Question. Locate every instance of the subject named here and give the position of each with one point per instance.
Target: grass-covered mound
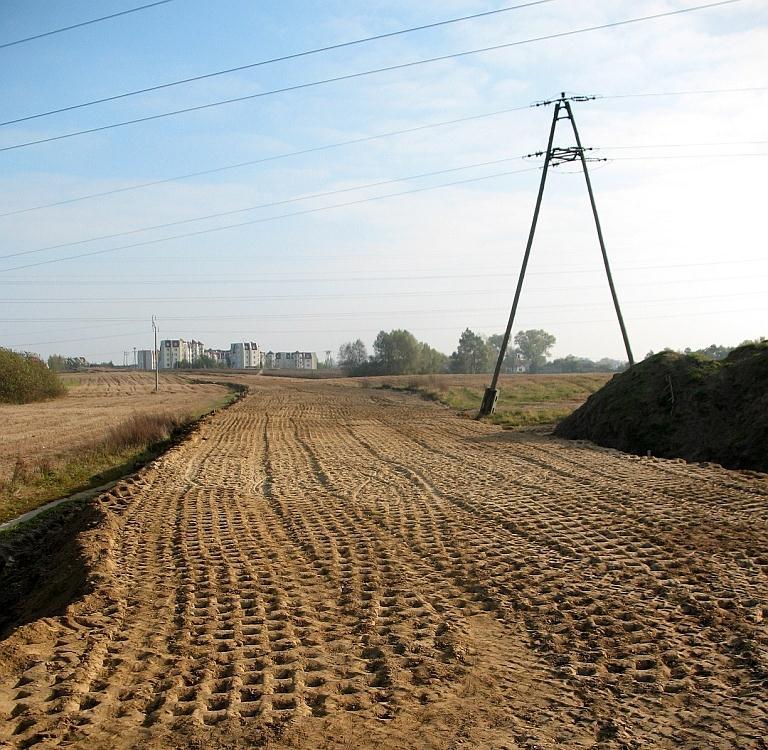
(686, 406)
(24, 378)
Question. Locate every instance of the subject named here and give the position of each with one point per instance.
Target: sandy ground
(329, 567)
(95, 402)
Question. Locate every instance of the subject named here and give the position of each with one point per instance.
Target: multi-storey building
(291, 360)
(172, 353)
(245, 354)
(146, 358)
(195, 350)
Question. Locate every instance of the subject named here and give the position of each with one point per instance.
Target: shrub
(24, 378)
(139, 431)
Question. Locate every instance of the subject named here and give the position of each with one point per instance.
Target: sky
(681, 189)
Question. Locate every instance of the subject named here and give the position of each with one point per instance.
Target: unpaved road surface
(321, 566)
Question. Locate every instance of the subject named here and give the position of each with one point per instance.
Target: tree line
(398, 352)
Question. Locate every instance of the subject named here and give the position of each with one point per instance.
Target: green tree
(397, 353)
(352, 356)
(431, 360)
(473, 354)
(534, 346)
(512, 356)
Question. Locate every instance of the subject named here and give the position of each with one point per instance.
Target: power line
(312, 196)
(690, 92)
(334, 315)
(272, 204)
(208, 278)
(72, 341)
(678, 145)
(338, 144)
(360, 295)
(83, 23)
(488, 325)
(273, 60)
(301, 152)
(361, 74)
(346, 279)
(682, 156)
(263, 220)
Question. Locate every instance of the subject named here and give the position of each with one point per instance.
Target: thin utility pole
(157, 356)
(491, 393)
(553, 157)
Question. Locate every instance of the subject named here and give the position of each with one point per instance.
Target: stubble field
(326, 566)
(95, 401)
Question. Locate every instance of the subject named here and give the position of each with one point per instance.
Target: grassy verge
(125, 448)
(524, 400)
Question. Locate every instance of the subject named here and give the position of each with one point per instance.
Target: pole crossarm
(564, 98)
(553, 156)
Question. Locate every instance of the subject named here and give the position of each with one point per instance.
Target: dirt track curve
(330, 567)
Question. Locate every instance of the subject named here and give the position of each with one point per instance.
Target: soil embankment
(683, 406)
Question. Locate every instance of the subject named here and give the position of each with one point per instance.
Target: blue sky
(685, 234)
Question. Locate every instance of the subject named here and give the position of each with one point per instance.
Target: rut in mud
(322, 566)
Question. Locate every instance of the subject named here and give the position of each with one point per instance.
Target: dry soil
(325, 567)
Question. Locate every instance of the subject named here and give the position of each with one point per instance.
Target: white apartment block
(291, 360)
(245, 354)
(172, 352)
(145, 359)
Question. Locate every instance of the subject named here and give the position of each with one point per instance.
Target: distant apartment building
(172, 352)
(245, 355)
(291, 360)
(219, 356)
(145, 359)
(175, 351)
(195, 350)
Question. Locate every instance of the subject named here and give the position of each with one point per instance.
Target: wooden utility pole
(553, 157)
(157, 356)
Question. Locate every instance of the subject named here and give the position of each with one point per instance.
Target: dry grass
(95, 403)
(523, 399)
(141, 430)
(33, 482)
(106, 425)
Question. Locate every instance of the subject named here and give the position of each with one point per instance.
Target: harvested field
(95, 402)
(331, 567)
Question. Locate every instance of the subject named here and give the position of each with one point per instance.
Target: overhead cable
(265, 219)
(83, 23)
(264, 159)
(332, 296)
(329, 193)
(361, 74)
(282, 58)
(272, 204)
(338, 144)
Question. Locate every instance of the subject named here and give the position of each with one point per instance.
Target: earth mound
(684, 406)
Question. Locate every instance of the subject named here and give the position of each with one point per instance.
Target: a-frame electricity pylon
(553, 157)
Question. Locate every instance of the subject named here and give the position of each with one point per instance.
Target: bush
(139, 431)
(24, 378)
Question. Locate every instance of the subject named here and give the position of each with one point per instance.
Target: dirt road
(322, 566)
